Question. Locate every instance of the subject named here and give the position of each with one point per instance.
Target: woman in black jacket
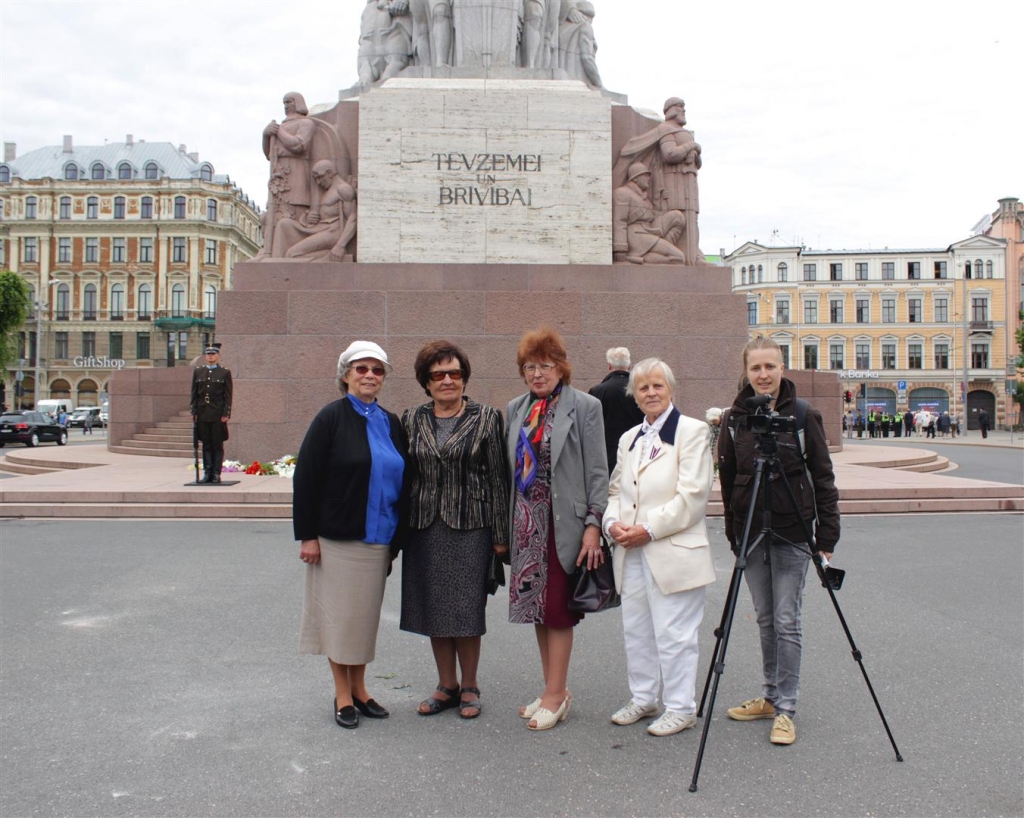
(349, 489)
(776, 571)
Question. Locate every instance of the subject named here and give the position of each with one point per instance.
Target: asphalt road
(150, 669)
(977, 462)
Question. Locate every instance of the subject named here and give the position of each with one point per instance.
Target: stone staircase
(170, 438)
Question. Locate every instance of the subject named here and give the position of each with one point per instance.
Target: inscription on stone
(485, 165)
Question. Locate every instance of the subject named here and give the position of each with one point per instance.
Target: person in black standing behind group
(211, 411)
(620, 410)
(350, 489)
(458, 517)
(983, 423)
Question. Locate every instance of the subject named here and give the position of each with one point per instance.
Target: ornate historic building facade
(125, 248)
(923, 328)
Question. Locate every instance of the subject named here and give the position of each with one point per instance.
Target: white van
(54, 406)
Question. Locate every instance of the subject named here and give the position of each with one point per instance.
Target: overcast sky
(854, 125)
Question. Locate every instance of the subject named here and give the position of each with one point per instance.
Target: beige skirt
(342, 600)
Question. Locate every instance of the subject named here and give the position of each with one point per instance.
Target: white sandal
(528, 711)
(545, 719)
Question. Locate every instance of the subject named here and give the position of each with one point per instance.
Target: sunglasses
(362, 369)
(441, 374)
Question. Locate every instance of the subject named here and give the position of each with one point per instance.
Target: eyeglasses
(440, 374)
(362, 369)
(529, 369)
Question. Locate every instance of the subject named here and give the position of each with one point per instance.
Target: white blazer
(668, 490)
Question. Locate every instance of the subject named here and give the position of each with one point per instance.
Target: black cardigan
(330, 487)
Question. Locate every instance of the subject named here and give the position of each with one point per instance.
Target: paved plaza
(150, 668)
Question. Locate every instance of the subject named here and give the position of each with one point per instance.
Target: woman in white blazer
(655, 516)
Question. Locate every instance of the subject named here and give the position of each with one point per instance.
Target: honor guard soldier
(211, 410)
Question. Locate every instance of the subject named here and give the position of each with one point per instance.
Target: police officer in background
(211, 410)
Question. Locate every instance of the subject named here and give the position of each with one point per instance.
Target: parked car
(79, 415)
(31, 428)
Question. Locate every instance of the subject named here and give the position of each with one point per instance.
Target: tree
(14, 309)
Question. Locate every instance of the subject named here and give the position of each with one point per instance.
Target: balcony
(981, 326)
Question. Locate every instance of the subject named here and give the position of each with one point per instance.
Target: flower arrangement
(282, 467)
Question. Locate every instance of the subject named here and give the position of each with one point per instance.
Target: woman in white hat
(349, 482)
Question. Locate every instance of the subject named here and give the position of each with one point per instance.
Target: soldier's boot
(207, 467)
(218, 463)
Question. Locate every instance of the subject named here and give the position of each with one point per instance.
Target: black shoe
(370, 709)
(346, 717)
(207, 478)
(215, 478)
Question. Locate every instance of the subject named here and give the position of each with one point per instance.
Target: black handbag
(495, 574)
(594, 591)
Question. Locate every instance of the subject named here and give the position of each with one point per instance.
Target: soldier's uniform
(211, 403)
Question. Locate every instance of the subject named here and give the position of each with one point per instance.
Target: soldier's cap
(358, 350)
(672, 102)
(213, 349)
(636, 169)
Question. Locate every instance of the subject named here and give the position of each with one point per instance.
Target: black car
(30, 428)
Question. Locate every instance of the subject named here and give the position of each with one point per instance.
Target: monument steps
(10, 466)
(107, 510)
(168, 438)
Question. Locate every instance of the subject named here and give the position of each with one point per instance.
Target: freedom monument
(476, 181)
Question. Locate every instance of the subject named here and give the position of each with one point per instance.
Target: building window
(144, 308)
(888, 356)
(177, 342)
(146, 209)
(142, 346)
(988, 269)
(914, 270)
(784, 348)
(979, 356)
(89, 303)
(915, 356)
(977, 268)
(941, 310)
(760, 274)
(810, 356)
(940, 269)
(888, 270)
(92, 208)
(119, 207)
(781, 312)
(63, 304)
(810, 272)
(119, 251)
(914, 310)
(863, 311)
(979, 309)
(30, 207)
(5, 178)
(888, 310)
(783, 272)
(860, 271)
(124, 171)
(30, 249)
(98, 172)
(751, 313)
(743, 276)
(835, 312)
(211, 251)
(64, 250)
(179, 207)
(210, 301)
(146, 251)
(71, 174)
(941, 355)
(206, 173)
(92, 251)
(60, 345)
(178, 301)
(810, 312)
(179, 250)
(65, 207)
(863, 356)
(116, 345)
(835, 272)
(211, 210)
(835, 356)
(117, 302)
(31, 305)
(967, 269)
(152, 172)
(88, 344)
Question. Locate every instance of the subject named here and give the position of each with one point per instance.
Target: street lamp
(967, 350)
(40, 306)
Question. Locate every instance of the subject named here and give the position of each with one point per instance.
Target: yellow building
(903, 328)
(125, 247)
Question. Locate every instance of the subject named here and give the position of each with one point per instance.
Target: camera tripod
(767, 465)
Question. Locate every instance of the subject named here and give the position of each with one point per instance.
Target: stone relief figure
(432, 32)
(577, 48)
(639, 233)
(487, 32)
(292, 147)
(673, 156)
(385, 40)
(540, 33)
(324, 234)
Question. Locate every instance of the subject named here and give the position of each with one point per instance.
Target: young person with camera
(776, 571)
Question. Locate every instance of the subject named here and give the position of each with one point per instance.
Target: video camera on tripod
(763, 421)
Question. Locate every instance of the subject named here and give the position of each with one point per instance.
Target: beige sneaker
(753, 709)
(672, 721)
(783, 731)
(633, 712)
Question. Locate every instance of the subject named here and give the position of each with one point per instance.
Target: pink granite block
(259, 401)
(315, 357)
(166, 381)
(588, 278)
(461, 277)
(124, 382)
(704, 358)
(238, 313)
(512, 313)
(292, 275)
(354, 313)
(435, 314)
(630, 313)
(711, 314)
(398, 277)
(263, 356)
(304, 398)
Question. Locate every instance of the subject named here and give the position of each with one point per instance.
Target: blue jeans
(777, 588)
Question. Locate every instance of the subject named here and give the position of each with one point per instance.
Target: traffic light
(848, 396)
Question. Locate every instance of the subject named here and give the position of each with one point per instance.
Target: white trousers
(660, 631)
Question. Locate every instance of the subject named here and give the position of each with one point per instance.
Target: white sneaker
(633, 712)
(672, 721)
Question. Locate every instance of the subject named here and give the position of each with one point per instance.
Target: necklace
(448, 412)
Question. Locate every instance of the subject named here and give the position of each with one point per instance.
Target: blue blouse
(386, 470)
